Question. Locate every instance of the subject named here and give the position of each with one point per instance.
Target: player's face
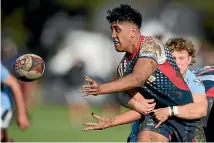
(122, 35)
(182, 59)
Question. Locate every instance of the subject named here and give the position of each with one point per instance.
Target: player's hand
(102, 123)
(92, 88)
(161, 114)
(22, 122)
(145, 106)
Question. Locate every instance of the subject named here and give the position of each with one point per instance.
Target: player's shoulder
(190, 75)
(152, 45)
(4, 69)
(193, 81)
(4, 73)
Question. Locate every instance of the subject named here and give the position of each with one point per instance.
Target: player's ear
(190, 60)
(134, 31)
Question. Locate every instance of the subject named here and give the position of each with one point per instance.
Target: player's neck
(134, 44)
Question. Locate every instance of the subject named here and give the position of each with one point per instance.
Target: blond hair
(181, 44)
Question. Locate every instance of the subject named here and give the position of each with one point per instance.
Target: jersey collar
(131, 56)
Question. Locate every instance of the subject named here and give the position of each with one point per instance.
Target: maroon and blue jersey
(166, 85)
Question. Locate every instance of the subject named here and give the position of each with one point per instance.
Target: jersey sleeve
(207, 70)
(152, 48)
(4, 73)
(195, 85)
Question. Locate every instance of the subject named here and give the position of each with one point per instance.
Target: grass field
(51, 124)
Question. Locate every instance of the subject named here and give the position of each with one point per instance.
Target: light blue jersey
(195, 86)
(6, 99)
(194, 83)
(5, 90)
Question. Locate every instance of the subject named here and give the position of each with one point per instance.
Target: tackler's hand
(92, 88)
(145, 106)
(161, 114)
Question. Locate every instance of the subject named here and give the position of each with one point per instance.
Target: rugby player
(10, 90)
(148, 69)
(183, 53)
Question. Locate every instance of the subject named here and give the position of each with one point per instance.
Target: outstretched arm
(103, 123)
(143, 69)
(148, 57)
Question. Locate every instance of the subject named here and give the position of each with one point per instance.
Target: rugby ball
(28, 67)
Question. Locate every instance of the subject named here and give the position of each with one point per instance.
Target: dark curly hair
(124, 13)
(180, 44)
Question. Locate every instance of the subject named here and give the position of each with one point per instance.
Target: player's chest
(125, 66)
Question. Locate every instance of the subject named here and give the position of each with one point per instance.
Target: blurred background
(74, 39)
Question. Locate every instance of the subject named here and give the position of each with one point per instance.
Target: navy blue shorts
(149, 123)
(175, 127)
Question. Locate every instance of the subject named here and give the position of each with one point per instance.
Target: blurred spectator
(56, 27)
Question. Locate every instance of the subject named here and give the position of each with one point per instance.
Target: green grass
(51, 124)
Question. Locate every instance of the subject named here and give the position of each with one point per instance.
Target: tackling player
(183, 52)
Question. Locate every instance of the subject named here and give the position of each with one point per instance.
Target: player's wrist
(99, 89)
(132, 104)
(21, 111)
(170, 111)
(103, 89)
(174, 110)
(137, 106)
(111, 123)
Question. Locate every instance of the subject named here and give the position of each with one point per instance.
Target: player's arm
(103, 123)
(22, 119)
(195, 110)
(127, 100)
(137, 102)
(18, 97)
(125, 118)
(198, 108)
(143, 69)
